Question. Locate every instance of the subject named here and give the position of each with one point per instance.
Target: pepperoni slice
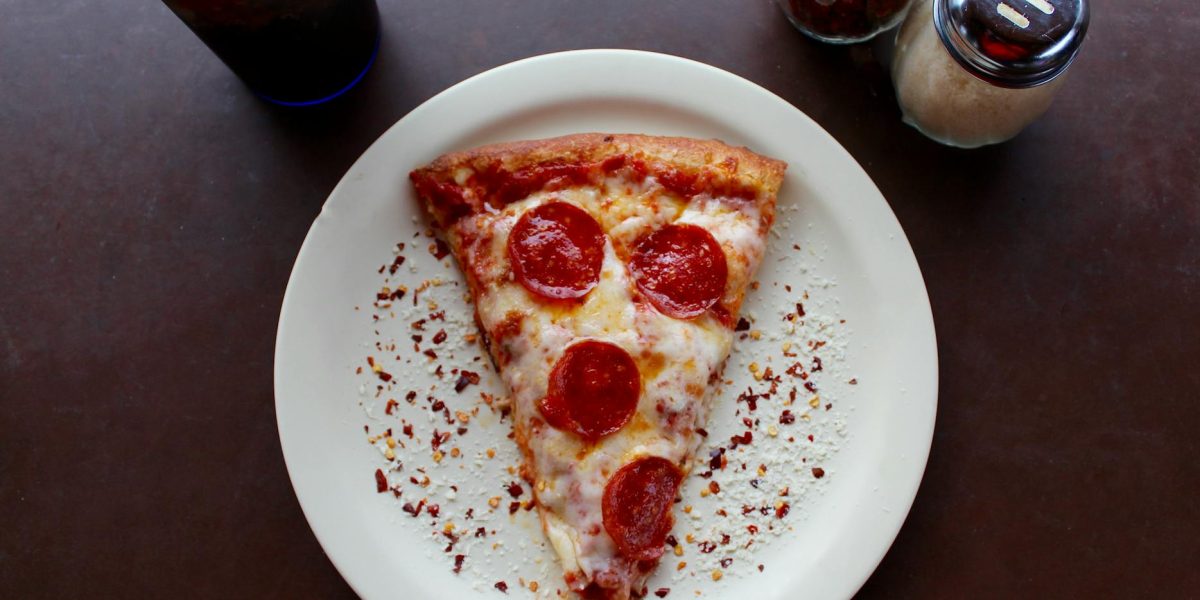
(556, 251)
(681, 269)
(594, 389)
(637, 506)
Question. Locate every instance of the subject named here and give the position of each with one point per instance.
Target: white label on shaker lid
(1042, 5)
(1012, 15)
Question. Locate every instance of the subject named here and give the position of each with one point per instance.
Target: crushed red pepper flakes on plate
(466, 378)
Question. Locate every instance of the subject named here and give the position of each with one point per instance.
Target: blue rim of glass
(349, 86)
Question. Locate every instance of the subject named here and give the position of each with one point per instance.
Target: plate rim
(912, 482)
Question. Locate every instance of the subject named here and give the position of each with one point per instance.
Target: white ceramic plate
(834, 208)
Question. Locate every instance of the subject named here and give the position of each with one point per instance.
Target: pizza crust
(724, 163)
(750, 168)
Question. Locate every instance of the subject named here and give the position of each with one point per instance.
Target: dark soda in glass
(291, 52)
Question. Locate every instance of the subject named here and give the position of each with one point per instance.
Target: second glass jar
(844, 21)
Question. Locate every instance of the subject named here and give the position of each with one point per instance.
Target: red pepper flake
(395, 266)
(433, 510)
(480, 532)
(753, 529)
(397, 294)
(413, 510)
(799, 310)
(385, 376)
(818, 472)
(750, 398)
(437, 405)
(439, 249)
(417, 338)
(786, 417)
(760, 568)
(431, 354)
(702, 431)
(716, 460)
(808, 385)
(514, 507)
(816, 366)
(742, 324)
(854, 381)
(466, 378)
(500, 585)
(410, 396)
(782, 510)
(714, 487)
(381, 484)
(514, 489)
(419, 324)
(724, 539)
(391, 404)
(743, 439)
(671, 541)
(438, 439)
(662, 592)
(440, 336)
(725, 562)
(706, 547)
(458, 562)
(408, 430)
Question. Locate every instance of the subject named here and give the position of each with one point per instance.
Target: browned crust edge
(751, 168)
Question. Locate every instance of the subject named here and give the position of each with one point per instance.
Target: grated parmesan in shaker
(974, 72)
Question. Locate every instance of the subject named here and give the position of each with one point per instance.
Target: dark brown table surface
(152, 208)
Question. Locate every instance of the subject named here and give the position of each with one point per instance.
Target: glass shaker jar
(975, 72)
(843, 21)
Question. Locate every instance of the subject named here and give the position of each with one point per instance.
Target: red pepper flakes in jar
(844, 21)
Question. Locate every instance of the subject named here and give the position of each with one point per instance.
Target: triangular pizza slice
(607, 273)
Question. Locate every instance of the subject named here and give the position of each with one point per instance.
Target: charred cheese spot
(651, 364)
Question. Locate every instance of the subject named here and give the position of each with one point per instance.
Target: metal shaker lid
(1012, 43)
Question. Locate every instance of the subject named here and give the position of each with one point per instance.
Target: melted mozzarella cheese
(676, 358)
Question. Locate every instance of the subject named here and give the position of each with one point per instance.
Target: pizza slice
(607, 273)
